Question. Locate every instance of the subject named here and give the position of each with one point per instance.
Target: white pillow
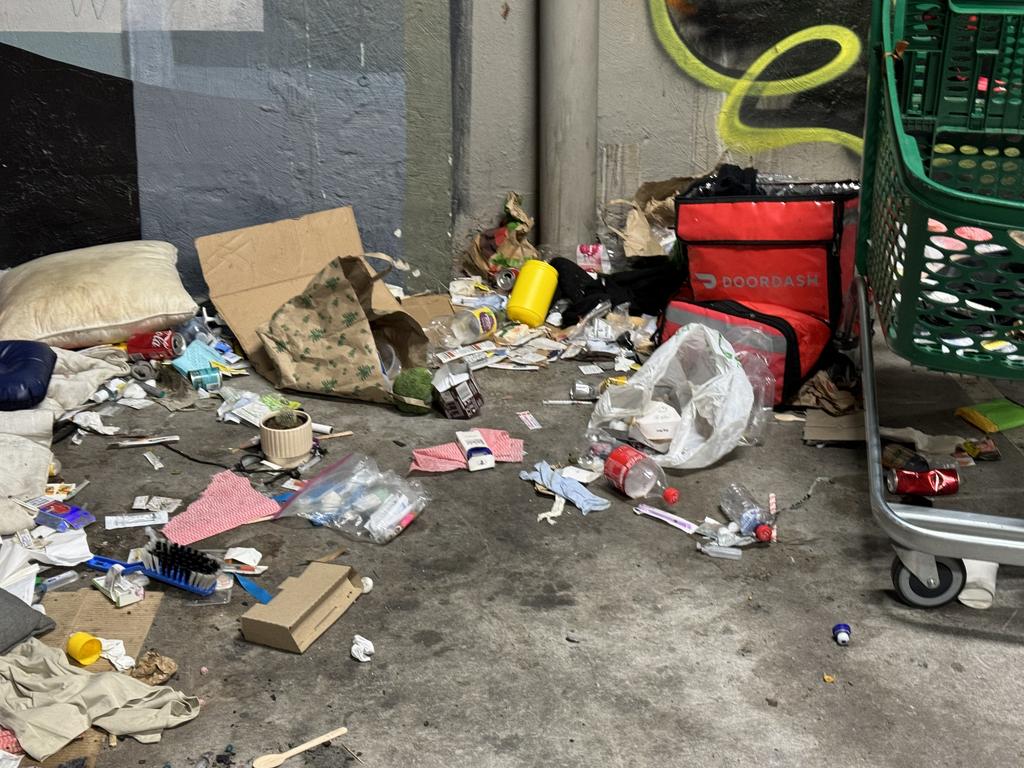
(94, 295)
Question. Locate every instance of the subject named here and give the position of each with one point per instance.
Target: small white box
(477, 452)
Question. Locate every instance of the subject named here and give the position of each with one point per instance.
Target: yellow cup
(531, 295)
(83, 648)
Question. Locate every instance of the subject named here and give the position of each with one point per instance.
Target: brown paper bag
(322, 340)
(503, 246)
(637, 238)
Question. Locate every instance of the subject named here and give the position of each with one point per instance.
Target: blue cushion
(25, 370)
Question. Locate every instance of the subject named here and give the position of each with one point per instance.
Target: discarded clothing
(19, 623)
(228, 502)
(449, 457)
(78, 374)
(48, 703)
(25, 445)
(9, 760)
(572, 490)
(25, 435)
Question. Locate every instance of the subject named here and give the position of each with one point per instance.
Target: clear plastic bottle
(635, 474)
(466, 326)
(740, 506)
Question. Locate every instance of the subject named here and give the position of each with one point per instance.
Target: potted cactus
(286, 437)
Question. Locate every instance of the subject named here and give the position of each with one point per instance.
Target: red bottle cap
(671, 495)
(763, 532)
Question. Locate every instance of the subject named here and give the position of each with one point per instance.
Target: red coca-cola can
(162, 345)
(934, 482)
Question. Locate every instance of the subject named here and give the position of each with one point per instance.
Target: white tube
(980, 587)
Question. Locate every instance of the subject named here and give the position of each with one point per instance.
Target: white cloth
(47, 702)
(25, 435)
(115, 652)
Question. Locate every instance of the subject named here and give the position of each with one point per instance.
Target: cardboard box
(252, 272)
(456, 391)
(304, 609)
(427, 306)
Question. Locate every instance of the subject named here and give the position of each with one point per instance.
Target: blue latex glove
(572, 490)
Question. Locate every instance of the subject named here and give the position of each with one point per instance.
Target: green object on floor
(994, 416)
(414, 383)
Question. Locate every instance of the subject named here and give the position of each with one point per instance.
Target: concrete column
(568, 50)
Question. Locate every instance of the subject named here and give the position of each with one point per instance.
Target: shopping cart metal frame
(930, 543)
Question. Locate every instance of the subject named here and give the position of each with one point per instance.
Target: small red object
(162, 345)
(934, 482)
(671, 495)
(763, 532)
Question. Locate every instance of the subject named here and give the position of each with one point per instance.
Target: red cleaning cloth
(9, 742)
(228, 502)
(448, 457)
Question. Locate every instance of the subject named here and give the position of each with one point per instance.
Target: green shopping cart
(941, 243)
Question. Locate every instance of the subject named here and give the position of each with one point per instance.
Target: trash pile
(686, 345)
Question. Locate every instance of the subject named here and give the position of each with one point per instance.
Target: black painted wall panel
(68, 166)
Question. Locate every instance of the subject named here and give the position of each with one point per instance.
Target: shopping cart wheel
(913, 592)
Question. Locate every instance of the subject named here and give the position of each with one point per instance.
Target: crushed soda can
(506, 279)
(162, 345)
(934, 482)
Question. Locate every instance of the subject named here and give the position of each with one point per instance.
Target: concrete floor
(679, 659)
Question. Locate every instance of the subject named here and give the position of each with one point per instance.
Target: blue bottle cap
(841, 628)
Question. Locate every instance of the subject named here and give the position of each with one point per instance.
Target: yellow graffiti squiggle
(733, 131)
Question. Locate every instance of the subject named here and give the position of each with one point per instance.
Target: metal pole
(568, 42)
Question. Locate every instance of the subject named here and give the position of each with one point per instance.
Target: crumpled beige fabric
(25, 435)
(47, 702)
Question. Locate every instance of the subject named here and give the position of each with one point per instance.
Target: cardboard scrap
(426, 307)
(253, 271)
(820, 427)
(305, 608)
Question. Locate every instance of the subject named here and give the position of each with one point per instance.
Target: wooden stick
(334, 435)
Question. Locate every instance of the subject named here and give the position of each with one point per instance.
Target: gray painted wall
(240, 123)
(654, 121)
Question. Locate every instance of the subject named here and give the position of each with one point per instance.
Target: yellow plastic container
(84, 648)
(531, 295)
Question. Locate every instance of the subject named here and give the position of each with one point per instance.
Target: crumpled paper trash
(362, 649)
(154, 668)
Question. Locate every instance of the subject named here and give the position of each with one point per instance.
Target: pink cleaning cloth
(228, 502)
(448, 457)
(9, 742)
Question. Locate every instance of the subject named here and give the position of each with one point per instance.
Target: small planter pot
(288, 447)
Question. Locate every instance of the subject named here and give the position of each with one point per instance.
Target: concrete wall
(495, 107)
(667, 71)
(253, 110)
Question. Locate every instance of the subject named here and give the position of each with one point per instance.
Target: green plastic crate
(946, 265)
(964, 64)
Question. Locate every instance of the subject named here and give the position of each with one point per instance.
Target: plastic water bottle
(740, 506)
(635, 474)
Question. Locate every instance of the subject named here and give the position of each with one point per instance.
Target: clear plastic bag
(360, 500)
(745, 341)
(695, 374)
